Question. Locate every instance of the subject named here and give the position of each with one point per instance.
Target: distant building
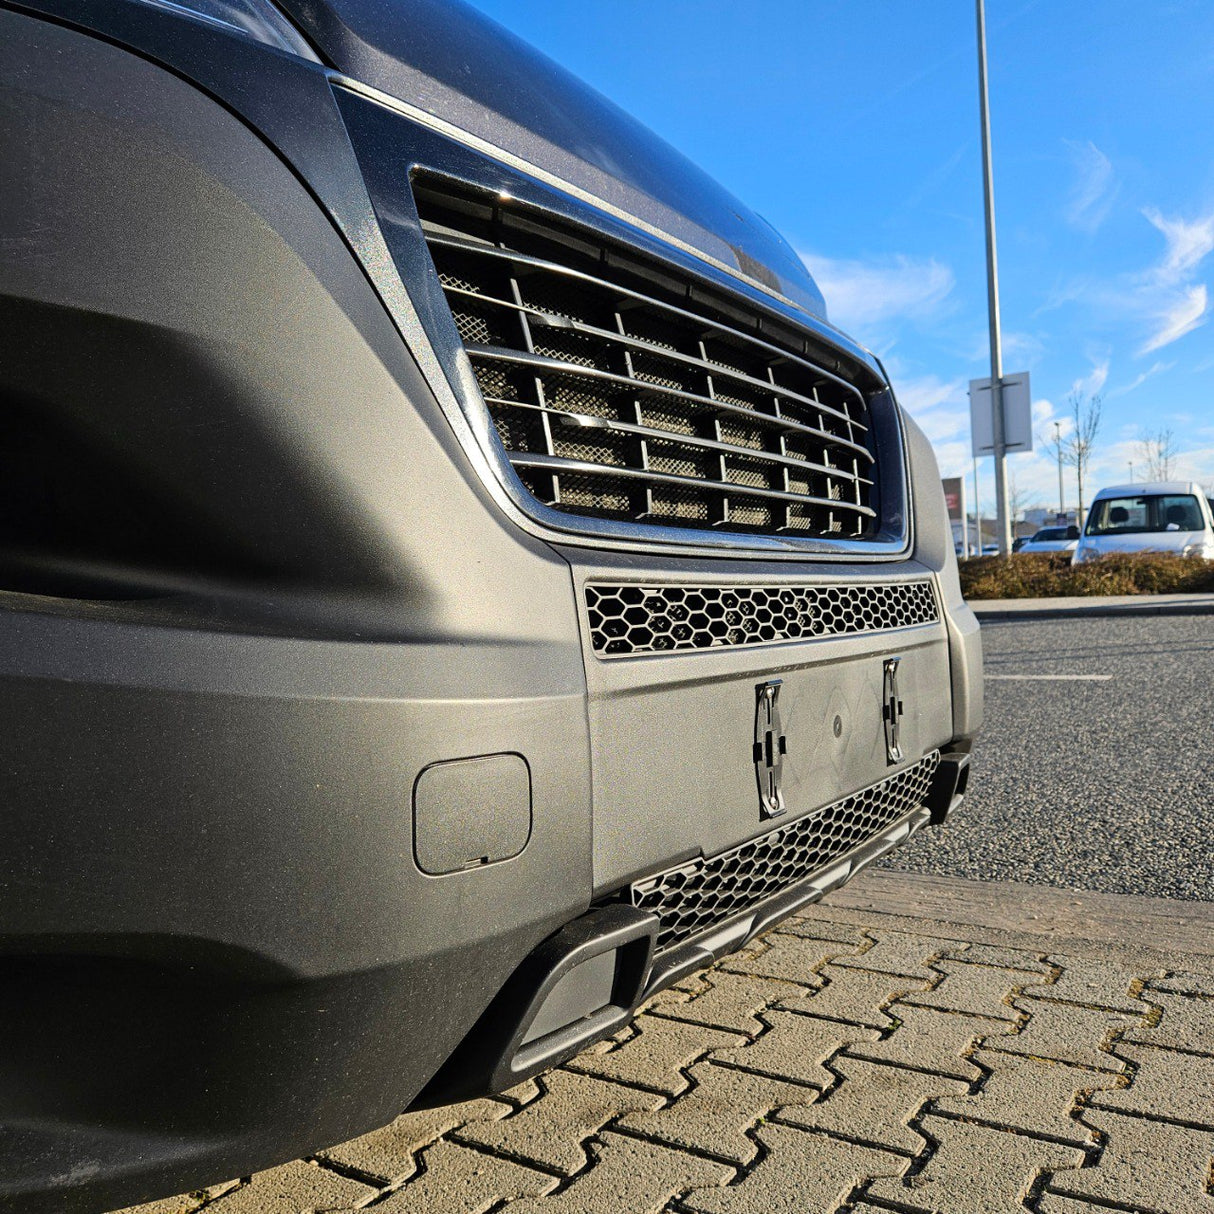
(1044, 516)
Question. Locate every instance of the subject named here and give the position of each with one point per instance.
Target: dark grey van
(454, 581)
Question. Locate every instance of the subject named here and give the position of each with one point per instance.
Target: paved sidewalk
(1094, 605)
(916, 1044)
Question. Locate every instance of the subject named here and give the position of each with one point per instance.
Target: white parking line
(1053, 678)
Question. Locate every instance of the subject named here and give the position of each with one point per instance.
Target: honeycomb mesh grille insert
(696, 897)
(631, 619)
(623, 387)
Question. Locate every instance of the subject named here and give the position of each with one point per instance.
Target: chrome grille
(696, 897)
(623, 388)
(628, 619)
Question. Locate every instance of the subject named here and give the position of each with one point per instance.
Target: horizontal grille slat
(691, 440)
(543, 363)
(522, 259)
(760, 388)
(696, 897)
(557, 463)
(623, 387)
(627, 619)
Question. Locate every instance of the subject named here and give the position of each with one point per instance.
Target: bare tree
(1017, 500)
(1075, 448)
(1158, 452)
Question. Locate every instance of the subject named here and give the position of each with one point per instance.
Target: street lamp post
(1058, 449)
(1004, 537)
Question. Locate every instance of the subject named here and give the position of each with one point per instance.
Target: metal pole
(1004, 528)
(965, 522)
(977, 514)
(1058, 449)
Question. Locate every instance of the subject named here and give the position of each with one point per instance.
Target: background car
(1161, 516)
(1052, 539)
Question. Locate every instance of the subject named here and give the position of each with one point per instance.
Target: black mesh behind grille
(623, 388)
(628, 619)
(697, 896)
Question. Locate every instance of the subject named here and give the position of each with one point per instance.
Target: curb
(1073, 920)
(1065, 609)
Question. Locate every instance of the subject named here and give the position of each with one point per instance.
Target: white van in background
(1162, 516)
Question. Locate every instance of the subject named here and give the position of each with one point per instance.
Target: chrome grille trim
(695, 897)
(619, 407)
(630, 619)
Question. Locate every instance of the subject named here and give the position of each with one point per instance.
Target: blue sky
(852, 125)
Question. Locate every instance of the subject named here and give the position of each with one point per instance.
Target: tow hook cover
(770, 747)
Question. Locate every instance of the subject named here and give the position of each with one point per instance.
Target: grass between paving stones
(1041, 575)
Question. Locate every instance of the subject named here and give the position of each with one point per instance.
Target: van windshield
(1151, 512)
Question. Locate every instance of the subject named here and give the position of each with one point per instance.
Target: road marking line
(1053, 678)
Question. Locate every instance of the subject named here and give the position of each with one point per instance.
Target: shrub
(1049, 574)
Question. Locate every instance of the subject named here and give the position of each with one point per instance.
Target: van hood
(451, 61)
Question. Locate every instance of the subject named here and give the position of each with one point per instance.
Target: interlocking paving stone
(629, 1175)
(1186, 1023)
(795, 1047)
(788, 959)
(874, 1104)
(655, 1057)
(1065, 1032)
(981, 990)
(1029, 1094)
(855, 996)
(801, 1174)
(975, 1170)
(458, 1180)
(1166, 1084)
(185, 1204)
(931, 1040)
(684, 989)
(714, 1116)
(898, 953)
(389, 1153)
(1146, 1166)
(1095, 983)
(733, 1001)
(1049, 1203)
(1181, 982)
(849, 935)
(1007, 958)
(551, 1130)
(293, 1189)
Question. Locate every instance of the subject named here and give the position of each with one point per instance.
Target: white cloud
(1091, 384)
(1044, 413)
(1094, 190)
(1187, 245)
(918, 395)
(1137, 382)
(1165, 298)
(863, 294)
(1184, 314)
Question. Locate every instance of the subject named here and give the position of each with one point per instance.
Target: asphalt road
(1099, 785)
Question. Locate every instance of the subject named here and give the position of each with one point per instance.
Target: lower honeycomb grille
(696, 897)
(631, 619)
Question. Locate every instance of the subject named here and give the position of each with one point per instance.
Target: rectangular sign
(954, 497)
(1017, 414)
